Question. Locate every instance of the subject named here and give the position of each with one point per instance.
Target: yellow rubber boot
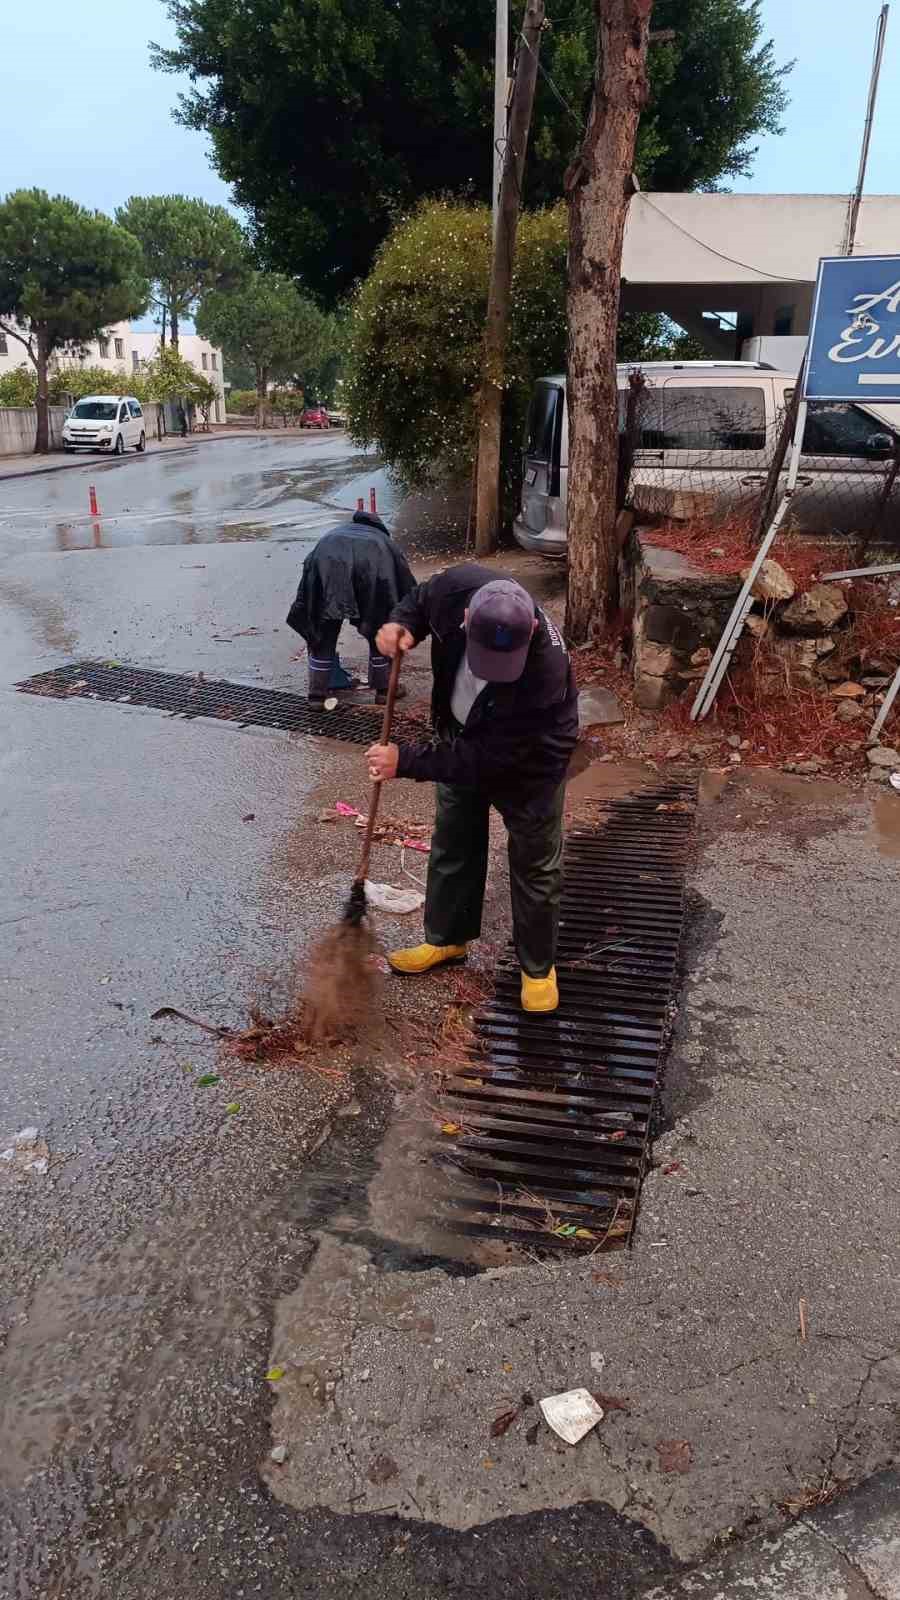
(540, 994)
(422, 957)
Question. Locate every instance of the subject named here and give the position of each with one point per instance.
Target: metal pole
(501, 96)
(853, 213)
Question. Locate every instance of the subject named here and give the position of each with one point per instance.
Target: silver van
(707, 430)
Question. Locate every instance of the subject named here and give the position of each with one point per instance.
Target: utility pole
(487, 490)
(853, 213)
(789, 422)
(501, 96)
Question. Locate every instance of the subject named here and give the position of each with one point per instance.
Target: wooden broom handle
(362, 870)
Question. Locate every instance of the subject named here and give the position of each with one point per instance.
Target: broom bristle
(341, 982)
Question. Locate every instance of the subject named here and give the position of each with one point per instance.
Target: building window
(120, 349)
(204, 361)
(784, 322)
(103, 347)
(135, 361)
(215, 361)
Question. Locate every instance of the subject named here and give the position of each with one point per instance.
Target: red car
(315, 417)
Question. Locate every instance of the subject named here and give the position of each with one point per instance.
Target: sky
(83, 114)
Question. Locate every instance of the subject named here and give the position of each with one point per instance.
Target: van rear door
(541, 463)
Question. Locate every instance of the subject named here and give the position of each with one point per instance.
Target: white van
(707, 434)
(109, 422)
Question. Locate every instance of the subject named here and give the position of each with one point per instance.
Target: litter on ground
(571, 1414)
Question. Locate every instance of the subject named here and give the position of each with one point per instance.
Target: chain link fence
(701, 448)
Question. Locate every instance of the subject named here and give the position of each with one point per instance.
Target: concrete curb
(849, 1550)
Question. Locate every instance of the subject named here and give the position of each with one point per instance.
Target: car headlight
(107, 427)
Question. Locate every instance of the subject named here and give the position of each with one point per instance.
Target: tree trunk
(262, 390)
(598, 185)
(42, 399)
(165, 312)
(490, 422)
(173, 318)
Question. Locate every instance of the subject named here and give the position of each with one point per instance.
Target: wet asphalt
(150, 862)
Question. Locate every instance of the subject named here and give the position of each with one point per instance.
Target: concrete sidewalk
(849, 1550)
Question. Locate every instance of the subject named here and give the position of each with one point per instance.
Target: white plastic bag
(399, 902)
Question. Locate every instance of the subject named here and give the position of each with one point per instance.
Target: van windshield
(96, 410)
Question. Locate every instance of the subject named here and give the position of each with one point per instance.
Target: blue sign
(854, 338)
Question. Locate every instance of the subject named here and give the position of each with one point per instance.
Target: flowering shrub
(416, 332)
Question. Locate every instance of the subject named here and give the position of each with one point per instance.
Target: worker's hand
(382, 760)
(393, 637)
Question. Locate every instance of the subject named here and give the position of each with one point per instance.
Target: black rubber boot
(379, 677)
(317, 688)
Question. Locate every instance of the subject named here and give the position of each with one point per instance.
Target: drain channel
(553, 1113)
(185, 696)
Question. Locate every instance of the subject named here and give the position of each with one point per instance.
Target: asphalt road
(218, 490)
(149, 1274)
(141, 1272)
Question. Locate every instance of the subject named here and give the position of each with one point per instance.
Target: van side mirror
(880, 444)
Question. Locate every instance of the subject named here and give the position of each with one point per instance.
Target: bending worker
(505, 714)
(355, 573)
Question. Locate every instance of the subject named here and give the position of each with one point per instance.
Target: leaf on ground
(207, 1080)
(611, 1402)
(565, 1230)
(382, 1469)
(232, 1108)
(274, 1373)
(504, 1422)
(450, 1127)
(608, 1279)
(584, 1233)
(674, 1455)
(672, 1167)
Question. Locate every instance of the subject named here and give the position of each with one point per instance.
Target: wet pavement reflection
(221, 491)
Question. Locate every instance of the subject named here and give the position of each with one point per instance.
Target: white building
(752, 258)
(120, 352)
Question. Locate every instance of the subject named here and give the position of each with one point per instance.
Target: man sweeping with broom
(505, 715)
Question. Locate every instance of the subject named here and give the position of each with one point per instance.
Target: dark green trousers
(457, 869)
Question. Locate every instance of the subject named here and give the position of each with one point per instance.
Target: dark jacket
(355, 574)
(518, 737)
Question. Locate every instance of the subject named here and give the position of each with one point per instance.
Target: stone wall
(678, 612)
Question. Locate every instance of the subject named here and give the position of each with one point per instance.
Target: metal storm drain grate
(187, 696)
(553, 1113)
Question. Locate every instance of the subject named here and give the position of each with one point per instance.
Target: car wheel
(142, 444)
(120, 445)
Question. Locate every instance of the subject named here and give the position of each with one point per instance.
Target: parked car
(315, 417)
(707, 431)
(109, 422)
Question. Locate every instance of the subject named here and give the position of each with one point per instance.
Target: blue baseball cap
(499, 630)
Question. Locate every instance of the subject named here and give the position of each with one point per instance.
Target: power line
(557, 93)
(777, 277)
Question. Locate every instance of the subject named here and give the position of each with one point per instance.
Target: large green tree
(66, 274)
(333, 117)
(189, 247)
(267, 324)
